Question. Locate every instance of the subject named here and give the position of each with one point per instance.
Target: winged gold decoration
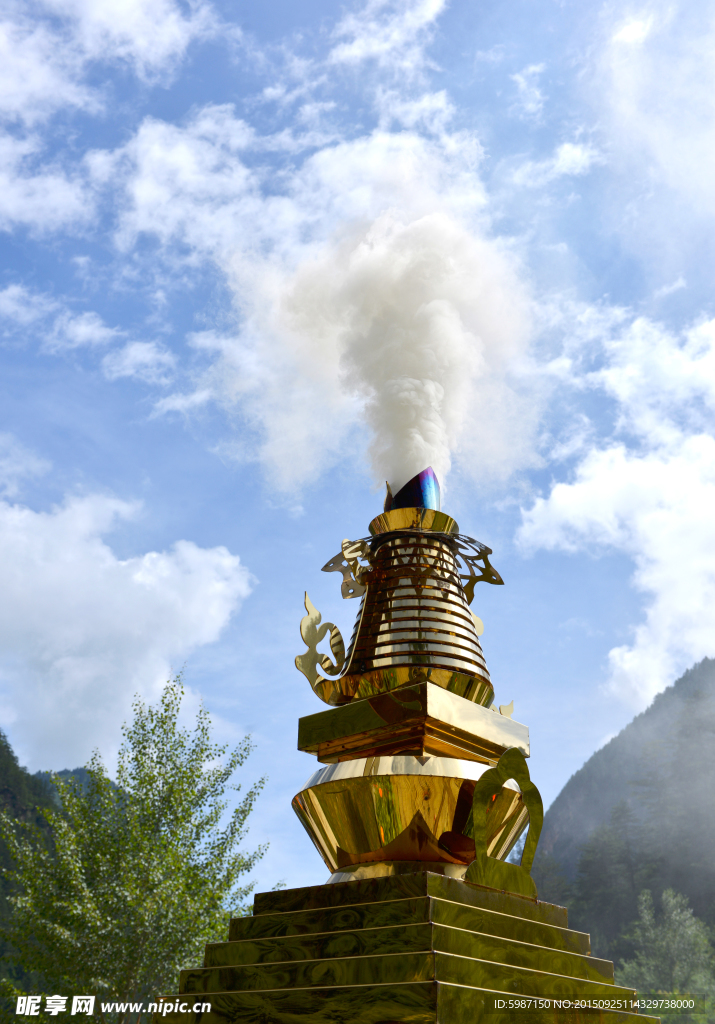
(313, 633)
(347, 562)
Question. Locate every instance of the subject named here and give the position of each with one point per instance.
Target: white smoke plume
(423, 317)
(413, 328)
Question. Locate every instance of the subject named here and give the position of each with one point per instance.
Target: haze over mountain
(639, 814)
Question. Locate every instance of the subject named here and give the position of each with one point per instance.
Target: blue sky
(256, 259)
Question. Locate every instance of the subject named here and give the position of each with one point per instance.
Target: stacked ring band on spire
(414, 611)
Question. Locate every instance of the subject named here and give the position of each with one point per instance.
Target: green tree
(612, 870)
(139, 873)
(672, 951)
(686, 832)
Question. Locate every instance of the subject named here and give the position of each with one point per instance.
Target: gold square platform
(423, 719)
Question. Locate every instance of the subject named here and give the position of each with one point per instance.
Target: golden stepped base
(425, 937)
(403, 912)
(411, 949)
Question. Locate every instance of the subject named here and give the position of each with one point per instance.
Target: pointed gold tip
(388, 497)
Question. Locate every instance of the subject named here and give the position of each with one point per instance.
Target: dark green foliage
(672, 952)
(552, 882)
(672, 957)
(22, 796)
(613, 870)
(671, 740)
(20, 793)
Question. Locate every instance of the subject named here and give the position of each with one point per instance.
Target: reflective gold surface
(409, 966)
(356, 686)
(414, 614)
(413, 519)
(393, 868)
(484, 869)
(406, 910)
(404, 938)
(421, 719)
(406, 887)
(372, 953)
(434, 1002)
(348, 563)
(416, 577)
(404, 808)
(313, 633)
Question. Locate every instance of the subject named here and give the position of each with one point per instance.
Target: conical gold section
(415, 623)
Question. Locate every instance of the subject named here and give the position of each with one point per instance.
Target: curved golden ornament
(486, 870)
(313, 633)
(347, 562)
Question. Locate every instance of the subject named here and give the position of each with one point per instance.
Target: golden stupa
(423, 793)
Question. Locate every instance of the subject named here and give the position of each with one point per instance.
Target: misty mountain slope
(662, 766)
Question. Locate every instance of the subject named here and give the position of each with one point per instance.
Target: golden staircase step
(406, 912)
(397, 968)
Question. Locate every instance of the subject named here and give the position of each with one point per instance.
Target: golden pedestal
(404, 949)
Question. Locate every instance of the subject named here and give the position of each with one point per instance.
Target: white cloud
(392, 33)
(43, 198)
(47, 49)
(81, 630)
(669, 289)
(635, 30)
(530, 102)
(17, 463)
(22, 307)
(431, 111)
(664, 384)
(569, 159)
(648, 491)
(653, 95)
(71, 331)
(184, 184)
(657, 508)
(29, 312)
(143, 360)
(150, 37)
(573, 158)
(39, 71)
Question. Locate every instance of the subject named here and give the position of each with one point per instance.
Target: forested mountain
(640, 814)
(20, 792)
(20, 795)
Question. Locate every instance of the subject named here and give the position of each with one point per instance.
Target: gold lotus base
(404, 808)
(410, 949)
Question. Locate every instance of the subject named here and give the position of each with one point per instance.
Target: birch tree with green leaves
(126, 880)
